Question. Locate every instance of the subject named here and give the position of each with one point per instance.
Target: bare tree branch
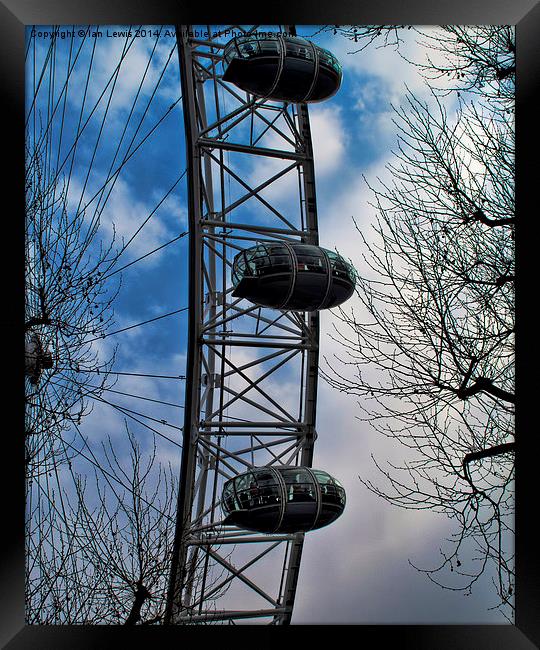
(430, 349)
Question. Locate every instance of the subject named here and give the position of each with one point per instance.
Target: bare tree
(478, 58)
(112, 543)
(431, 351)
(68, 306)
(99, 550)
(96, 542)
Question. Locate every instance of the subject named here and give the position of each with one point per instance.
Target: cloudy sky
(356, 570)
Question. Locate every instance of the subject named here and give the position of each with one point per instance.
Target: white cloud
(128, 214)
(328, 137)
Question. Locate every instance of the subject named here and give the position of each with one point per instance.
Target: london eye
(257, 280)
(257, 284)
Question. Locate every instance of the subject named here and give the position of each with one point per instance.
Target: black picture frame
(14, 16)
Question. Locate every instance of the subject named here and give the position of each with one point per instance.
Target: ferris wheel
(257, 279)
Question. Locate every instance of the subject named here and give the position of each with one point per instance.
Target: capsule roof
(292, 276)
(282, 67)
(282, 499)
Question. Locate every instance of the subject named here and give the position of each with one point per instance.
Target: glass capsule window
(260, 260)
(239, 269)
(280, 260)
(300, 49)
(337, 66)
(229, 500)
(309, 258)
(299, 485)
(340, 267)
(269, 47)
(282, 498)
(268, 492)
(328, 59)
(295, 276)
(230, 52)
(298, 79)
(322, 477)
(245, 488)
(246, 264)
(332, 491)
(248, 49)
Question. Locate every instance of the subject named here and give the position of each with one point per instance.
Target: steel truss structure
(251, 372)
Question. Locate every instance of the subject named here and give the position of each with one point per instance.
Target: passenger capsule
(36, 358)
(282, 499)
(292, 276)
(284, 68)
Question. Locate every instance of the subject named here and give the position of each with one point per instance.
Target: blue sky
(366, 578)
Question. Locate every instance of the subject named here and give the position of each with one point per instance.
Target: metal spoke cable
(147, 399)
(125, 329)
(36, 91)
(93, 461)
(128, 157)
(56, 136)
(128, 120)
(171, 241)
(127, 411)
(147, 108)
(129, 374)
(130, 412)
(94, 221)
(62, 93)
(65, 91)
(101, 127)
(50, 89)
(139, 229)
(80, 130)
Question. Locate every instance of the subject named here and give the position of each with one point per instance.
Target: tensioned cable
(97, 213)
(114, 77)
(100, 131)
(42, 538)
(96, 463)
(49, 53)
(147, 399)
(171, 241)
(121, 139)
(127, 158)
(124, 329)
(129, 413)
(149, 102)
(47, 138)
(80, 130)
(129, 374)
(74, 147)
(150, 320)
(125, 247)
(64, 89)
(130, 328)
(48, 147)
